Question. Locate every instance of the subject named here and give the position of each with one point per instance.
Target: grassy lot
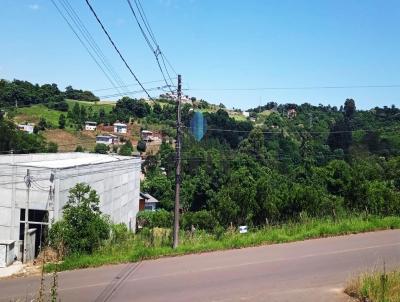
(376, 287)
(107, 106)
(68, 139)
(148, 245)
(34, 113)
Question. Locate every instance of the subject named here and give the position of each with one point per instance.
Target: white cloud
(34, 6)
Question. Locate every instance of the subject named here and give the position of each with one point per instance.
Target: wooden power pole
(178, 164)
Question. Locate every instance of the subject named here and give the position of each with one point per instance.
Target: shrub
(160, 218)
(79, 148)
(126, 149)
(52, 147)
(202, 220)
(101, 148)
(119, 233)
(83, 227)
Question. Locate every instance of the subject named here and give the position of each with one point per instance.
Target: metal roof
(64, 160)
(148, 198)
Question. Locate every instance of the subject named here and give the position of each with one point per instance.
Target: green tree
(254, 145)
(160, 186)
(141, 146)
(42, 125)
(83, 227)
(126, 149)
(61, 121)
(101, 149)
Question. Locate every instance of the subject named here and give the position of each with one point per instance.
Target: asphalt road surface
(313, 270)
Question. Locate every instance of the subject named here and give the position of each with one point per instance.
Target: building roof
(107, 135)
(89, 122)
(120, 124)
(148, 198)
(60, 160)
(147, 131)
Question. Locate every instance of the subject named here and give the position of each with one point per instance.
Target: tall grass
(150, 244)
(376, 287)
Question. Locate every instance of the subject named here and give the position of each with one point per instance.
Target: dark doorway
(39, 220)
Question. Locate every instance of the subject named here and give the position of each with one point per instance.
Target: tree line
(343, 161)
(24, 93)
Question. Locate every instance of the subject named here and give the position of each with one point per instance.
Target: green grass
(376, 287)
(107, 106)
(33, 114)
(140, 247)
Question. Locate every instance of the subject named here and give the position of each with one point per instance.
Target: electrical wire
(84, 45)
(155, 50)
(91, 41)
(134, 92)
(116, 48)
(111, 88)
(295, 88)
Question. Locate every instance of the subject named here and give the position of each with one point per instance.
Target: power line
(91, 41)
(296, 88)
(277, 131)
(155, 50)
(83, 44)
(111, 88)
(149, 29)
(116, 48)
(134, 92)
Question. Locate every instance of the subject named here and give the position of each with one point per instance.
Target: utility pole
(178, 164)
(27, 180)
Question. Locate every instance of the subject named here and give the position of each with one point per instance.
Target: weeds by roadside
(375, 287)
(154, 243)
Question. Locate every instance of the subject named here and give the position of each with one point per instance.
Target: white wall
(117, 183)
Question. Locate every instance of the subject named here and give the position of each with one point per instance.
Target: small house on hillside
(120, 128)
(147, 202)
(147, 135)
(107, 139)
(291, 113)
(27, 128)
(90, 126)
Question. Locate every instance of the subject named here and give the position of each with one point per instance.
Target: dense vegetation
(23, 93)
(285, 162)
(323, 162)
(13, 140)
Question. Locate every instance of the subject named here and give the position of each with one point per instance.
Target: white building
(120, 128)
(116, 180)
(27, 128)
(147, 135)
(107, 139)
(90, 126)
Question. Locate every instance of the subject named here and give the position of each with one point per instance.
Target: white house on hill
(90, 126)
(107, 139)
(27, 128)
(120, 128)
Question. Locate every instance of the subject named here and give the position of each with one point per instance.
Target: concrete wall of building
(117, 183)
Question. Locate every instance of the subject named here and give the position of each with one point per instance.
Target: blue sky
(219, 44)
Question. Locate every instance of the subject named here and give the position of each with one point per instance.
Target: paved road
(313, 270)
